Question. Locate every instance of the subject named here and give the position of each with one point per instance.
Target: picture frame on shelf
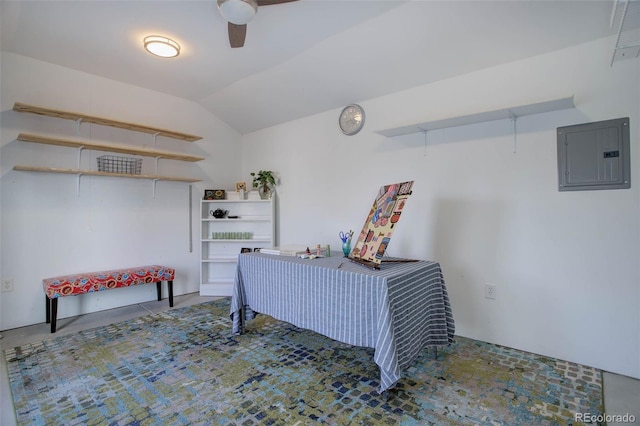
(219, 194)
(208, 194)
(241, 186)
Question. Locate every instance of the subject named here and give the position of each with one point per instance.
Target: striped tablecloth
(397, 310)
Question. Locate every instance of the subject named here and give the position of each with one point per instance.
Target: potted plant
(264, 180)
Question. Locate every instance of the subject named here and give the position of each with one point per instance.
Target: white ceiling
(299, 58)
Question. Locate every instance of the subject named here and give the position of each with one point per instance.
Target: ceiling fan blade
(270, 2)
(237, 34)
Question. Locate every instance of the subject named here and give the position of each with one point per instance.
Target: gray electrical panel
(594, 156)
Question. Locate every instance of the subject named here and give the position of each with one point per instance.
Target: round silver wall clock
(351, 119)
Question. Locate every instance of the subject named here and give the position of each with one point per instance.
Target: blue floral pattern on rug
(184, 367)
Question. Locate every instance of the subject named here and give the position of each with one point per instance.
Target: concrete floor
(621, 393)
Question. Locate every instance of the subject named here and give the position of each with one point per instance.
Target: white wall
(566, 265)
(48, 229)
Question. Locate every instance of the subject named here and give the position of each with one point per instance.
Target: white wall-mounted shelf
(500, 114)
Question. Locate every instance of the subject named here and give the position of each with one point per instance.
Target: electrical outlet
(7, 285)
(490, 291)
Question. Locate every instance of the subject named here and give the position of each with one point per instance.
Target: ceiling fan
(238, 13)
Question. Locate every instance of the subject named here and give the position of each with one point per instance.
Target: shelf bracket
(425, 141)
(78, 122)
(190, 218)
(514, 119)
(154, 187)
(157, 160)
(155, 138)
(620, 28)
(80, 148)
(78, 185)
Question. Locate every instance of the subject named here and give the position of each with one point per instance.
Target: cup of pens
(346, 242)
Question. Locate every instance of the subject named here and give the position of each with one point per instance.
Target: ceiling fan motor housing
(238, 12)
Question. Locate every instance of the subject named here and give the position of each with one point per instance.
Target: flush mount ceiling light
(161, 46)
(238, 12)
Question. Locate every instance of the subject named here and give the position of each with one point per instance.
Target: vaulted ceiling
(299, 58)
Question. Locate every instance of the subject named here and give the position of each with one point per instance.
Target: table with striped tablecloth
(398, 310)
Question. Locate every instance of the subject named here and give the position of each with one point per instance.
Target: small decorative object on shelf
(241, 188)
(218, 194)
(265, 181)
(122, 165)
(232, 235)
(218, 213)
(208, 194)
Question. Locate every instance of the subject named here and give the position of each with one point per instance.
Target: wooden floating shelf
(67, 115)
(107, 147)
(514, 112)
(97, 173)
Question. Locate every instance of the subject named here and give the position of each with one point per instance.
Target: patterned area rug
(184, 367)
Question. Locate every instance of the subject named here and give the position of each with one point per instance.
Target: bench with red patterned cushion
(72, 285)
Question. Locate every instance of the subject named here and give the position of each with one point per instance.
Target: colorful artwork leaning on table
(381, 222)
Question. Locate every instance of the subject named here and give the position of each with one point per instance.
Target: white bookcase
(223, 239)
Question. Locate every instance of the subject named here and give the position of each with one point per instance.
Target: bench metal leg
(54, 313)
(51, 312)
(170, 288)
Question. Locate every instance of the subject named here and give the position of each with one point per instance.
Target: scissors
(344, 236)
